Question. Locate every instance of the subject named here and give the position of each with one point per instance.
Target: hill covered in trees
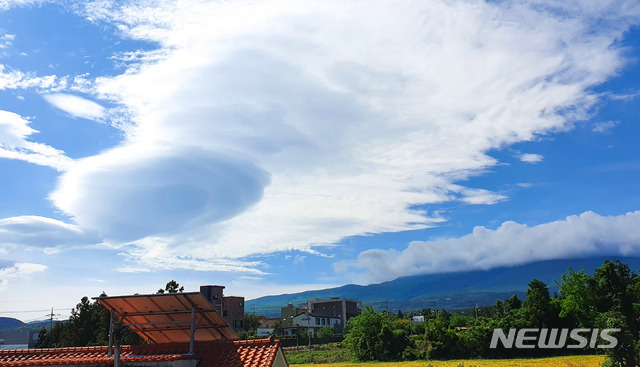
(609, 298)
(450, 291)
(9, 323)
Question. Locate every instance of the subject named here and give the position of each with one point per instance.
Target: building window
(324, 322)
(237, 323)
(317, 321)
(241, 304)
(225, 313)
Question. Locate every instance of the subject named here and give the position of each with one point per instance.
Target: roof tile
(241, 353)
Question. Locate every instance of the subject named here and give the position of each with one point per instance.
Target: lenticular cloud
(276, 125)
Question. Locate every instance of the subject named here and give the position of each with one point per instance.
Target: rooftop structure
(182, 329)
(170, 317)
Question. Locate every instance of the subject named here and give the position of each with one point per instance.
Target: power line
(29, 311)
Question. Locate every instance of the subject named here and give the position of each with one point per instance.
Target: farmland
(570, 361)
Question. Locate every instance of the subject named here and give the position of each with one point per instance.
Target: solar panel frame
(166, 317)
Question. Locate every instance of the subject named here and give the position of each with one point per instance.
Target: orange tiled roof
(242, 353)
(246, 353)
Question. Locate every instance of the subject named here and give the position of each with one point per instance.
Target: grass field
(572, 361)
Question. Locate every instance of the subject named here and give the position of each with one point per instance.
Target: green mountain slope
(9, 323)
(444, 291)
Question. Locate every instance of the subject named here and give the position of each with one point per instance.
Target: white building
(314, 323)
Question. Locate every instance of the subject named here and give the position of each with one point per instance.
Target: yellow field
(572, 361)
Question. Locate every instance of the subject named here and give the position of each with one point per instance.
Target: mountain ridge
(9, 323)
(452, 291)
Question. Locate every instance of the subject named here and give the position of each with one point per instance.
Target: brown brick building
(231, 308)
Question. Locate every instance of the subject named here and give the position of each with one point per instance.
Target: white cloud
(6, 40)
(39, 232)
(76, 106)
(18, 270)
(625, 96)
(586, 235)
(133, 269)
(604, 126)
(157, 191)
(531, 158)
(8, 4)
(15, 79)
(281, 125)
(14, 132)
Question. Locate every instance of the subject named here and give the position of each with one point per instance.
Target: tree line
(89, 325)
(609, 298)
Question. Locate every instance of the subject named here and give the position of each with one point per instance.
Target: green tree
(536, 309)
(251, 323)
(375, 336)
(577, 300)
(171, 287)
(617, 298)
(610, 298)
(88, 325)
(513, 303)
(440, 338)
(327, 332)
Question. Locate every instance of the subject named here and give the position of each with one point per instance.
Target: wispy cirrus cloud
(14, 144)
(6, 40)
(585, 235)
(76, 106)
(11, 78)
(604, 126)
(8, 4)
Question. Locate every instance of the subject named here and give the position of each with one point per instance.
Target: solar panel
(168, 317)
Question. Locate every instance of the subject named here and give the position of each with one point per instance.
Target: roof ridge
(269, 340)
(255, 352)
(60, 350)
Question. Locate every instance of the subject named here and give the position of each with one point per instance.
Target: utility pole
(309, 328)
(51, 318)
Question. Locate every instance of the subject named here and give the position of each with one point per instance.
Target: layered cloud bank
(586, 235)
(259, 127)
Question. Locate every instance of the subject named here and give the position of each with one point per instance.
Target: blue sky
(278, 146)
